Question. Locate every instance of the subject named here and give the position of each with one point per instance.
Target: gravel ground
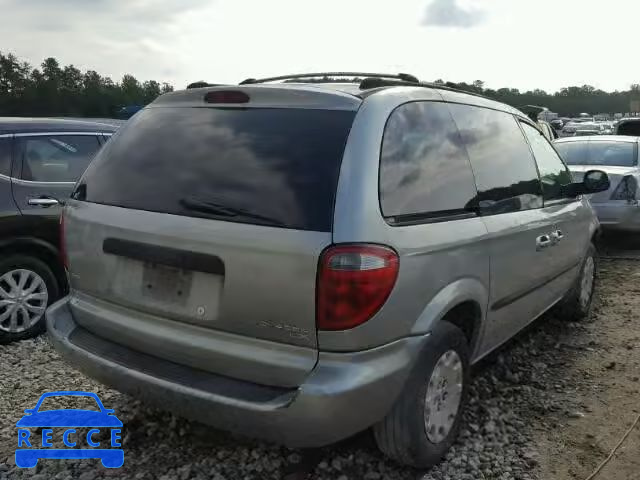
(511, 391)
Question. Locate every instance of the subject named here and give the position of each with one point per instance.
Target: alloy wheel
(23, 300)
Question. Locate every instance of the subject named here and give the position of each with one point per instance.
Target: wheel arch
(462, 303)
(40, 249)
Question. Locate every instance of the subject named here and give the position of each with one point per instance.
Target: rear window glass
(276, 167)
(613, 154)
(573, 153)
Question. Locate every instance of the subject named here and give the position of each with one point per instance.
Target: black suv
(40, 162)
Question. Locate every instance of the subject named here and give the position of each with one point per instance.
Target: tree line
(55, 90)
(568, 101)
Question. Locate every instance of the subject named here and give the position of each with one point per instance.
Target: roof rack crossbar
(400, 76)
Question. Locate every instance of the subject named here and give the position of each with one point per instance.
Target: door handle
(543, 241)
(44, 202)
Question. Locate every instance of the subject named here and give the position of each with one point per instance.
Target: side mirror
(595, 181)
(29, 410)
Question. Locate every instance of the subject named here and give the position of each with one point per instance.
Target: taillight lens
(63, 248)
(626, 189)
(354, 281)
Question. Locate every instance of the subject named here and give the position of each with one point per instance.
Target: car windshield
(77, 402)
(614, 154)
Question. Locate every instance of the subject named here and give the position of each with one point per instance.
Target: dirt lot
(549, 406)
(601, 363)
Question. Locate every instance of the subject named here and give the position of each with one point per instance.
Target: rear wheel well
(465, 316)
(42, 253)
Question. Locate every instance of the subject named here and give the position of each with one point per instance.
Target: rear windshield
(268, 166)
(612, 154)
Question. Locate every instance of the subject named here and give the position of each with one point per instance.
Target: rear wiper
(213, 208)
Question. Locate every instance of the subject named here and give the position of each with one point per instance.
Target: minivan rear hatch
(212, 217)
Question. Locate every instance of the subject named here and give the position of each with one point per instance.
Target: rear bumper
(618, 216)
(344, 394)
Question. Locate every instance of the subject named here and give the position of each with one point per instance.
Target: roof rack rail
(202, 84)
(406, 77)
(373, 82)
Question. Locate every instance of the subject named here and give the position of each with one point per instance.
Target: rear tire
(36, 270)
(577, 303)
(426, 418)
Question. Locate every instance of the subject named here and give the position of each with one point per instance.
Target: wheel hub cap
(23, 300)
(444, 393)
(586, 283)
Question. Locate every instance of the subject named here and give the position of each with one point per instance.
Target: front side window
(553, 173)
(5, 156)
(57, 158)
(424, 169)
(504, 169)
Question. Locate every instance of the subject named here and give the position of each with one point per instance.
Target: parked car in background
(617, 208)
(557, 124)
(607, 128)
(40, 162)
(582, 129)
(331, 263)
(628, 126)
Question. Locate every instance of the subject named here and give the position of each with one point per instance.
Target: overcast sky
(513, 43)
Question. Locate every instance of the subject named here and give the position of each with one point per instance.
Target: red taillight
(354, 281)
(226, 96)
(63, 249)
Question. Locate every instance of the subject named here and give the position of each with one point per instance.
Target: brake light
(354, 281)
(226, 96)
(626, 189)
(63, 249)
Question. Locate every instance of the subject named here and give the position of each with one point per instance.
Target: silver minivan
(303, 261)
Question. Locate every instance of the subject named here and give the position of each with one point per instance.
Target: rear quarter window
(424, 170)
(268, 166)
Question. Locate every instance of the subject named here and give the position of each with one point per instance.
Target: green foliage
(569, 101)
(53, 90)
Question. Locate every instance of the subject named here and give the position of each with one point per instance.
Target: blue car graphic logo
(31, 447)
